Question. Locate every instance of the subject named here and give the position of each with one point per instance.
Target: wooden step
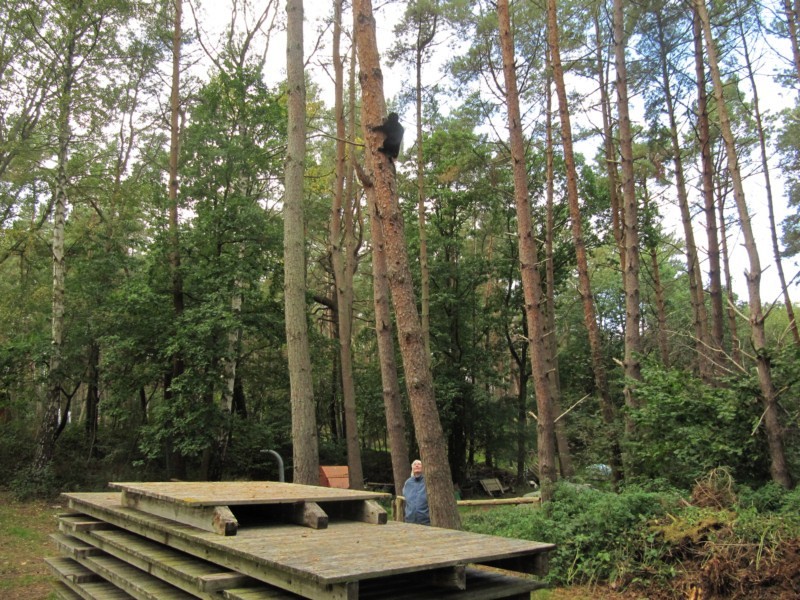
(259, 593)
(168, 563)
(69, 570)
(72, 522)
(73, 547)
(76, 581)
(135, 582)
(193, 575)
(63, 592)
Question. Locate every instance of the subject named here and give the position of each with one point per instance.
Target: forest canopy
(599, 207)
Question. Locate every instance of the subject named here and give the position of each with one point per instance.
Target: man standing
(416, 496)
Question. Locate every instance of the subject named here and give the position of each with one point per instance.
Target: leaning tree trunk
(416, 361)
(304, 422)
(778, 466)
(529, 265)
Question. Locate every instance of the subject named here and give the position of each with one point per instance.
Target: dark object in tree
(394, 135)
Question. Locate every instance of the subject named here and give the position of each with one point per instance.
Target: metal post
(280, 464)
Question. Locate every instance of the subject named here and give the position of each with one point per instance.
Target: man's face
(416, 468)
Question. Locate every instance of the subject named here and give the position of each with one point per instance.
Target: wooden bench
(492, 485)
(334, 477)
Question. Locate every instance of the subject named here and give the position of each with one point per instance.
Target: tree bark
(633, 344)
(693, 272)
(342, 266)
(304, 422)
(54, 413)
(423, 40)
(773, 230)
(608, 144)
(792, 20)
(717, 338)
(529, 264)
(416, 361)
(562, 441)
(778, 466)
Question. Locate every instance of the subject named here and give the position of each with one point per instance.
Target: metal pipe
(280, 464)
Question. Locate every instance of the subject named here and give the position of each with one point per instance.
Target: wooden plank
(259, 593)
(316, 563)
(334, 477)
(211, 547)
(70, 570)
(182, 570)
(481, 584)
(63, 592)
(500, 501)
(233, 493)
(365, 511)
(492, 485)
(135, 582)
(311, 515)
(451, 578)
(99, 590)
(83, 523)
(217, 519)
(533, 565)
(73, 547)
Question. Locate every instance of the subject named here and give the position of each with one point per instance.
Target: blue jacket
(416, 501)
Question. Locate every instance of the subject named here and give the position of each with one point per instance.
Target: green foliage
(685, 428)
(599, 536)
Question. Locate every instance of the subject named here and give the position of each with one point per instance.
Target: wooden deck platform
(352, 557)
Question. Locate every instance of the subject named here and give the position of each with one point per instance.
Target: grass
(24, 542)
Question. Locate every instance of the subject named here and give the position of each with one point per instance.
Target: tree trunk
(584, 283)
(342, 266)
(707, 165)
(792, 21)
(658, 288)
(736, 350)
(630, 277)
(54, 413)
(778, 466)
(562, 441)
(425, 293)
(776, 252)
(392, 400)
(304, 421)
(529, 264)
(693, 272)
(416, 361)
(608, 144)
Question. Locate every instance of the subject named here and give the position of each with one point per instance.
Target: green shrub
(599, 536)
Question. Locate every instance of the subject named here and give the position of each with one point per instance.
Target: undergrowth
(718, 542)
